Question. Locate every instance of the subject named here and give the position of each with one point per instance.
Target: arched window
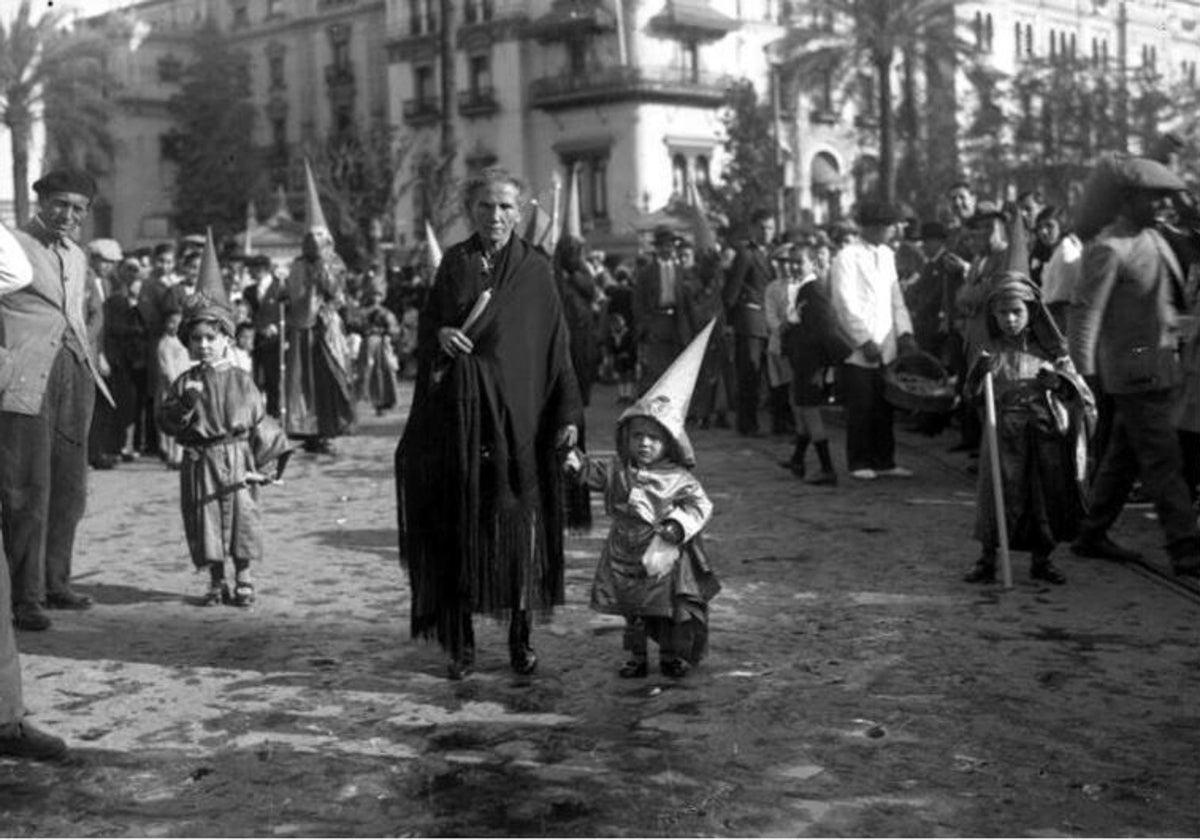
(679, 175)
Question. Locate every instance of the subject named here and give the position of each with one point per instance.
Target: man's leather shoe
(1188, 564)
(68, 600)
(23, 740)
(31, 618)
(1103, 548)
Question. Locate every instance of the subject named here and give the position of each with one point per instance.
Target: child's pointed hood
(667, 400)
(209, 302)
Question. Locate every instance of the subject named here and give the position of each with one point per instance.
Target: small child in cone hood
(219, 418)
(653, 569)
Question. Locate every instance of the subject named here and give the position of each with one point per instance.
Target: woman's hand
(568, 436)
(454, 342)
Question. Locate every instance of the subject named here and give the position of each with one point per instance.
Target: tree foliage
(1043, 127)
(752, 177)
(55, 73)
(218, 167)
(361, 175)
(850, 48)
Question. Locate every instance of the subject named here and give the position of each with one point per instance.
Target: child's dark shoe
(984, 571)
(633, 669)
(825, 478)
(217, 594)
(674, 668)
(1042, 569)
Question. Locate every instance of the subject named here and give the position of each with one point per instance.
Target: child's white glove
(660, 557)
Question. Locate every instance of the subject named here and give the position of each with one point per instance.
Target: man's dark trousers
(1144, 443)
(43, 480)
(870, 439)
(749, 351)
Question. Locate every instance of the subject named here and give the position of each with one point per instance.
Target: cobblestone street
(855, 686)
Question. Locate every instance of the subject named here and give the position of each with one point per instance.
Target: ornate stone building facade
(627, 93)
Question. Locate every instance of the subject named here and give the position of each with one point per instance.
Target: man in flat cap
(1124, 327)
(870, 305)
(46, 407)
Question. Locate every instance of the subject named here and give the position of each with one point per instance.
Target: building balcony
(478, 11)
(480, 102)
(570, 19)
(669, 85)
(339, 75)
(421, 112)
(822, 116)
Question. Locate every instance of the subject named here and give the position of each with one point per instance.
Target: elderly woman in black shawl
(477, 471)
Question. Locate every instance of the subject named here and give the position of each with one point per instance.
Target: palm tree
(843, 41)
(52, 72)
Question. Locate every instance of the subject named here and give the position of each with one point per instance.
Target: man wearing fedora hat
(870, 305)
(46, 407)
(659, 318)
(1125, 327)
(744, 296)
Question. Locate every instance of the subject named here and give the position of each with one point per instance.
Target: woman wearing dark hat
(45, 412)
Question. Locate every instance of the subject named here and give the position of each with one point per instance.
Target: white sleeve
(15, 271)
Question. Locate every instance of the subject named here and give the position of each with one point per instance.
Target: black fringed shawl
(479, 494)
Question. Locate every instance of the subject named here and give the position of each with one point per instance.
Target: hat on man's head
(933, 230)
(663, 235)
(986, 211)
(105, 249)
(877, 213)
(1145, 174)
(66, 181)
(254, 261)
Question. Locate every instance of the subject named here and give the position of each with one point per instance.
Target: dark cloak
(478, 480)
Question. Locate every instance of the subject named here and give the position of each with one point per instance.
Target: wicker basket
(918, 382)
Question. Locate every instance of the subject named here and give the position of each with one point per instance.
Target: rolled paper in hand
(477, 310)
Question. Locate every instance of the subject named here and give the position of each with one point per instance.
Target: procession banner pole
(283, 365)
(989, 400)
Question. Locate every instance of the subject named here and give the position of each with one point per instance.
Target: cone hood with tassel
(668, 399)
(314, 217)
(209, 302)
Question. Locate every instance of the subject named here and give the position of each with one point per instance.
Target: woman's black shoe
(634, 669)
(523, 660)
(462, 664)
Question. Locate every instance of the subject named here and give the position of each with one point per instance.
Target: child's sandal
(243, 592)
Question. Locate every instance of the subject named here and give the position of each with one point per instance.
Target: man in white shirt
(17, 738)
(870, 305)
